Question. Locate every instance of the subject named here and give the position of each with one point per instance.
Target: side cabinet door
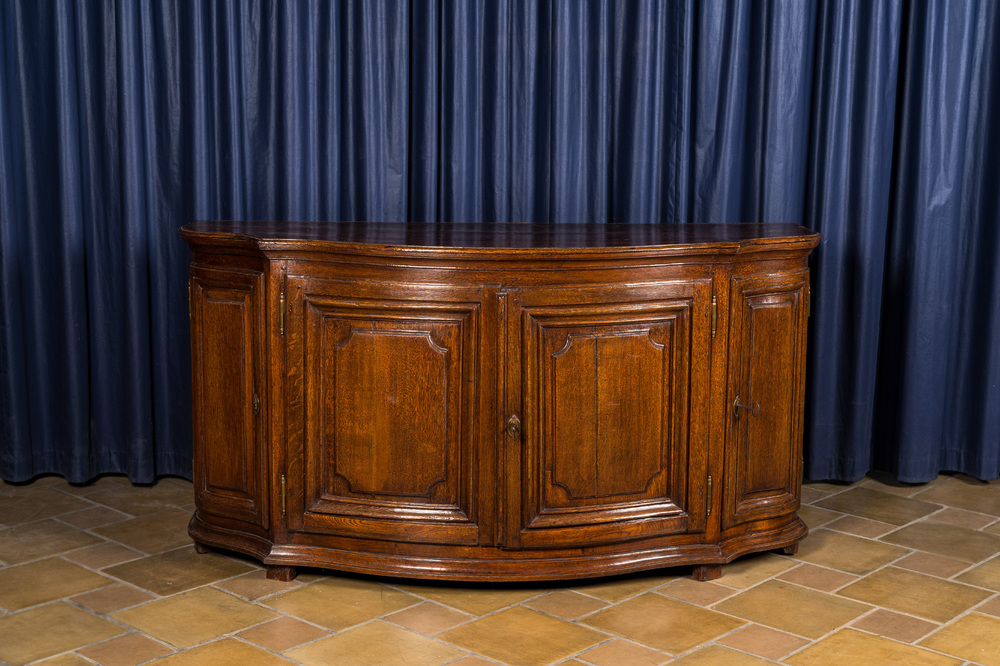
(230, 466)
(766, 397)
(611, 388)
(382, 410)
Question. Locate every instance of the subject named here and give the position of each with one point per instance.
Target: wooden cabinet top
(397, 238)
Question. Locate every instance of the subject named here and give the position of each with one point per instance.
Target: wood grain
(497, 402)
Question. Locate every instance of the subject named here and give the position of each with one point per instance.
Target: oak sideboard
(497, 402)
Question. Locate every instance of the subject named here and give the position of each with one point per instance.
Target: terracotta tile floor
(105, 574)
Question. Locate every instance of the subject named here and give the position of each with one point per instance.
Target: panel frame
(631, 309)
(405, 309)
(242, 288)
(749, 293)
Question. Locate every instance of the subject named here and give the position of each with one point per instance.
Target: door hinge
(189, 299)
(708, 505)
(281, 314)
(715, 315)
(284, 492)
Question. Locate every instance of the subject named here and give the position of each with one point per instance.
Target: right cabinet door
(606, 436)
(766, 391)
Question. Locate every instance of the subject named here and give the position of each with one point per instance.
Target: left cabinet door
(230, 467)
(382, 410)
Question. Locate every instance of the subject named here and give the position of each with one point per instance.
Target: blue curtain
(876, 122)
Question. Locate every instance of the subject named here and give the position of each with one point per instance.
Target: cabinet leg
(706, 571)
(201, 548)
(279, 572)
(791, 550)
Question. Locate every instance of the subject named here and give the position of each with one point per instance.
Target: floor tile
(818, 578)
(225, 652)
(915, 594)
(112, 598)
(743, 572)
(375, 644)
(717, 654)
(844, 552)
(884, 482)
(521, 636)
(814, 517)
(429, 618)
(282, 634)
(963, 518)
(137, 500)
(959, 543)
(620, 588)
(65, 660)
(829, 487)
(127, 650)
(566, 604)
(473, 599)
(937, 561)
(338, 603)
(46, 580)
(764, 641)
(895, 625)
(255, 585)
(863, 527)
(975, 638)
(700, 593)
(41, 539)
(151, 532)
(875, 505)
(860, 649)
(93, 517)
(810, 494)
(985, 575)
(31, 503)
(97, 485)
(963, 494)
(662, 623)
(66, 628)
(935, 565)
(102, 555)
(794, 609)
(618, 652)
(194, 617)
(991, 607)
(479, 661)
(178, 570)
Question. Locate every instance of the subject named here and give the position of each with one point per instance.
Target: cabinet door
(382, 410)
(611, 388)
(230, 466)
(767, 370)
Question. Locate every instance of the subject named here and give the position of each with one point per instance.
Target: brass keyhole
(514, 427)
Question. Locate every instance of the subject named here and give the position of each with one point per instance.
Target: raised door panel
(382, 412)
(764, 457)
(230, 464)
(613, 442)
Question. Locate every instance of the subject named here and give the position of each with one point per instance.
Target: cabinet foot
(791, 550)
(282, 573)
(706, 571)
(201, 548)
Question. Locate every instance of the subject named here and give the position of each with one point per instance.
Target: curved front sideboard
(497, 402)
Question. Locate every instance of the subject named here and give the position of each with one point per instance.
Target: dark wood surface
(497, 402)
(499, 236)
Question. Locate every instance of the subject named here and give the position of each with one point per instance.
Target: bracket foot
(706, 571)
